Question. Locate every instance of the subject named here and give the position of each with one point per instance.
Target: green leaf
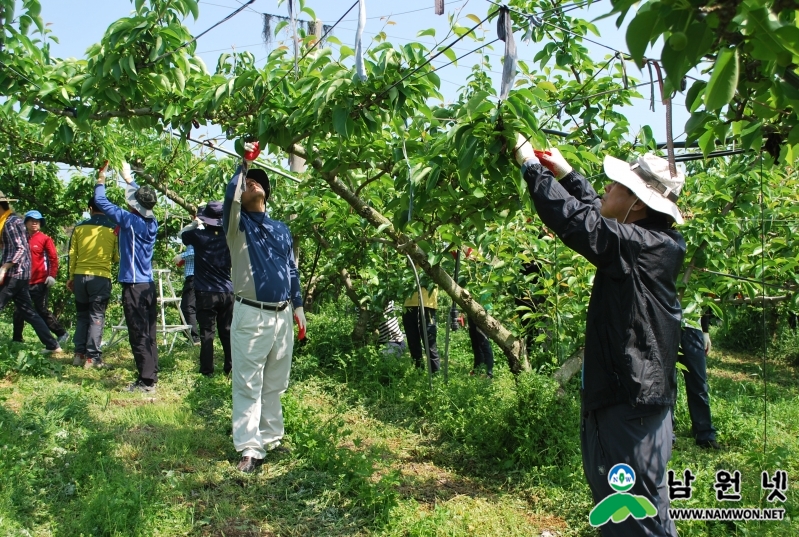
(547, 85)
(192, 5)
(696, 121)
(723, 81)
(219, 91)
(340, 124)
(429, 31)
(762, 31)
(66, 133)
(707, 142)
(156, 50)
(132, 66)
(692, 98)
(180, 79)
(450, 54)
(37, 116)
(639, 34)
(466, 154)
(311, 13)
(49, 127)
(752, 135)
(478, 99)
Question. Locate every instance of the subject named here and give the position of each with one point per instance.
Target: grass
(374, 451)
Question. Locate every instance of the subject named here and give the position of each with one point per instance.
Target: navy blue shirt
(261, 250)
(211, 259)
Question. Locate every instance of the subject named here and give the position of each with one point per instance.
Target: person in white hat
(632, 333)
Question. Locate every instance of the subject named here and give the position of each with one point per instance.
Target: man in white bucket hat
(629, 379)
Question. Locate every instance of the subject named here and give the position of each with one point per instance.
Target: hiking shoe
(79, 359)
(63, 338)
(249, 464)
(139, 386)
(55, 352)
(708, 444)
(196, 342)
(94, 363)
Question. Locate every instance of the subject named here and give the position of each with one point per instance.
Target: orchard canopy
(395, 171)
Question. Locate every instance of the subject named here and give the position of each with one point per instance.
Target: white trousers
(261, 344)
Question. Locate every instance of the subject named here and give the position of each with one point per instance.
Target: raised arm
(578, 223)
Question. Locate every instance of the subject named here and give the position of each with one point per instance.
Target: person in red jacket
(44, 270)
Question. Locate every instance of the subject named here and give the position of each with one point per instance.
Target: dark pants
(139, 304)
(641, 438)
(214, 312)
(188, 305)
(18, 291)
(91, 300)
(692, 343)
(39, 294)
(481, 347)
(412, 322)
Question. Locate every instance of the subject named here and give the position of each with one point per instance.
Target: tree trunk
(511, 345)
(362, 323)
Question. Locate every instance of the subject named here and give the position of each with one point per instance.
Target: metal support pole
(424, 323)
(452, 311)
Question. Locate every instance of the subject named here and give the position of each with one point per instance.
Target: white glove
(524, 150)
(248, 148)
(708, 345)
(125, 172)
(193, 225)
(177, 259)
(299, 316)
(49, 281)
(554, 161)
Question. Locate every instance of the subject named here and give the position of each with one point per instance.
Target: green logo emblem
(618, 506)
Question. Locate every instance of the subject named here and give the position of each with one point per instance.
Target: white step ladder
(160, 275)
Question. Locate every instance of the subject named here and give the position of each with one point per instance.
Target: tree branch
(510, 344)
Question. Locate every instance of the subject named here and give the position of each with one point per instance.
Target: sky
(81, 23)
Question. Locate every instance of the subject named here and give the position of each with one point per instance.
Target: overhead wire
(436, 68)
(398, 14)
(577, 93)
(425, 63)
(195, 38)
(310, 49)
(572, 32)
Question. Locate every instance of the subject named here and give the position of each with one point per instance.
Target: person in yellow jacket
(412, 322)
(92, 248)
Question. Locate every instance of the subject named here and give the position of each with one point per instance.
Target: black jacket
(633, 326)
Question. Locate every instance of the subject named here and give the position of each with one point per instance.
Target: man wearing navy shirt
(212, 285)
(265, 282)
(137, 231)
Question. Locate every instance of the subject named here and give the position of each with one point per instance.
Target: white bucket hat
(649, 179)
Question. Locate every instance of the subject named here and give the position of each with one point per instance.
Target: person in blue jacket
(137, 230)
